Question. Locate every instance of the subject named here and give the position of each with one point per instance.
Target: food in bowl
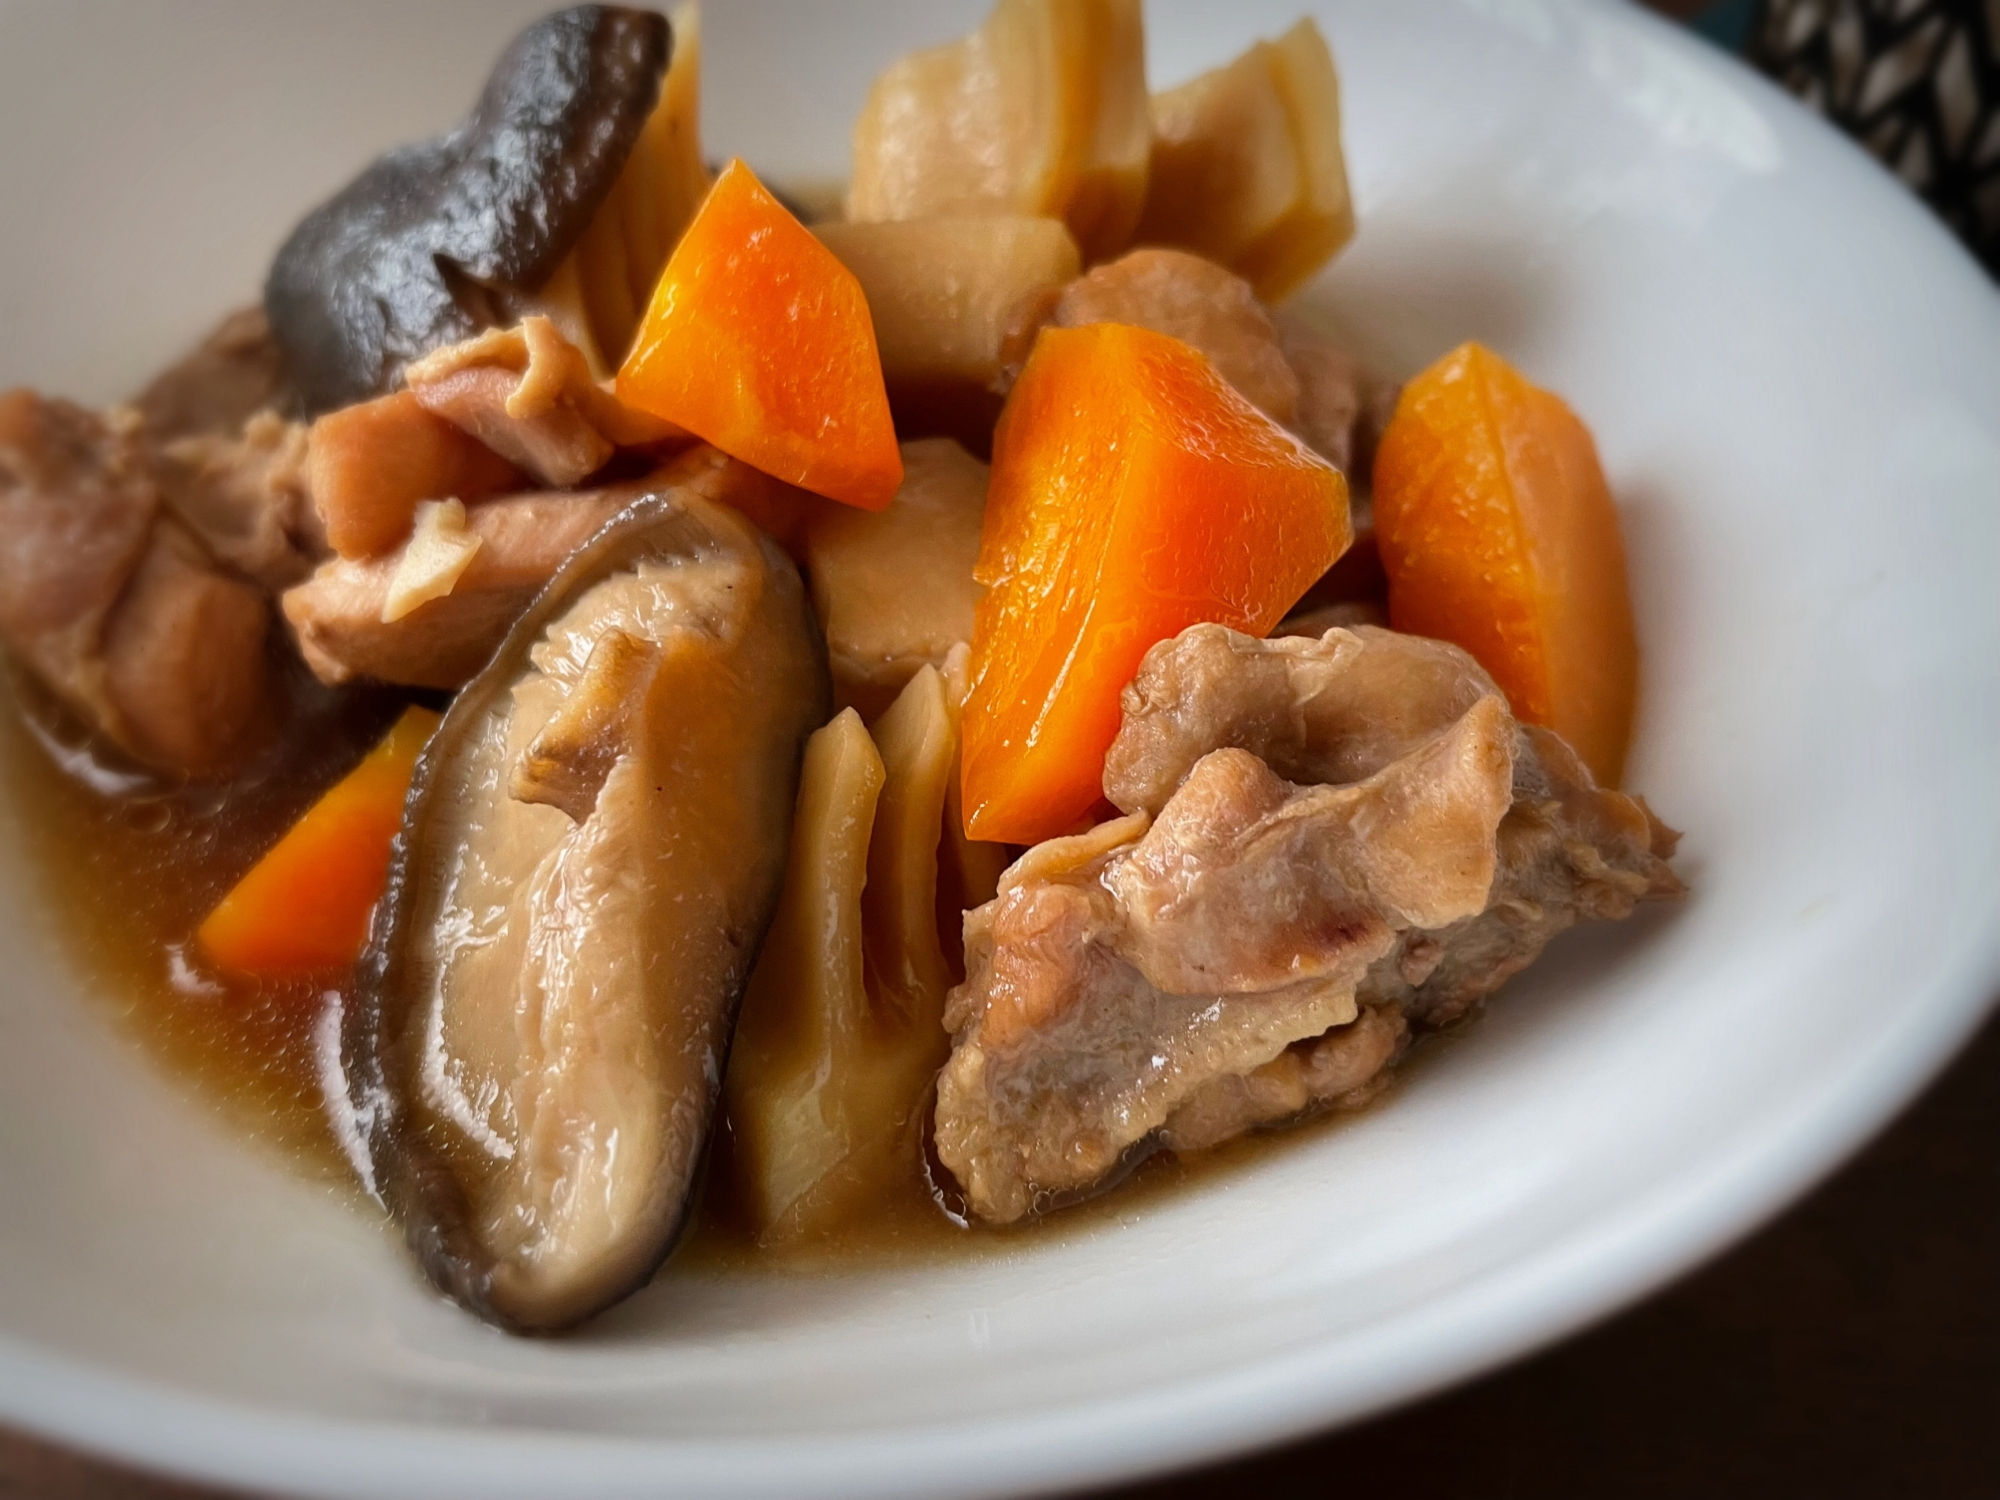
(599, 679)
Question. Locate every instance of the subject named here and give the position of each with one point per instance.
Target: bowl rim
(1487, 1322)
(1502, 1315)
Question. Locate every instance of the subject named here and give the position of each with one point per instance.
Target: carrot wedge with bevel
(1498, 534)
(305, 905)
(760, 341)
(1134, 493)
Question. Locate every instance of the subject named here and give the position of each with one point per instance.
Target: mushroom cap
(596, 837)
(424, 246)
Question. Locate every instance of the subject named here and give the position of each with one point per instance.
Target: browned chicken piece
(517, 543)
(113, 602)
(218, 385)
(1345, 1068)
(371, 465)
(1325, 842)
(1570, 851)
(185, 657)
(1339, 708)
(1335, 709)
(1104, 993)
(248, 496)
(527, 393)
(78, 511)
(1342, 406)
(1200, 303)
(337, 614)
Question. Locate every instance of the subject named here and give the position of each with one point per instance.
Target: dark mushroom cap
(409, 256)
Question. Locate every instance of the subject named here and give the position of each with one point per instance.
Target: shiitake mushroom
(592, 850)
(428, 244)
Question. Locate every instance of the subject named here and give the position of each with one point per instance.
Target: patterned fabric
(1915, 81)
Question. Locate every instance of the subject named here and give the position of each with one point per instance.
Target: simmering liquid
(130, 869)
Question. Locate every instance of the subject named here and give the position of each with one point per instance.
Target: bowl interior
(1790, 376)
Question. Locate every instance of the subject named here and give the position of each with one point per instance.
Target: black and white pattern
(1915, 81)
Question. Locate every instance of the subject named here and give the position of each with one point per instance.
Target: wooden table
(1851, 1349)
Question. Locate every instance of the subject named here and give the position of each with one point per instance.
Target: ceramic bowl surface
(1794, 379)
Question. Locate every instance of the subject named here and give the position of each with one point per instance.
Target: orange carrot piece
(370, 464)
(1498, 534)
(1134, 493)
(759, 340)
(305, 905)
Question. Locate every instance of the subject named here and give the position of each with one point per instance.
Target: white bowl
(1795, 380)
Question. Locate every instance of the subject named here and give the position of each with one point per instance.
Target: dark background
(1851, 1349)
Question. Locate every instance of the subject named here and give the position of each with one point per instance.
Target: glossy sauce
(126, 879)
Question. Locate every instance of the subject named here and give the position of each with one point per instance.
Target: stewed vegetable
(591, 719)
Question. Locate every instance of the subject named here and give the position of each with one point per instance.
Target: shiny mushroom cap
(424, 247)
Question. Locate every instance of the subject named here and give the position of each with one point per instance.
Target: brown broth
(911, 1228)
(128, 879)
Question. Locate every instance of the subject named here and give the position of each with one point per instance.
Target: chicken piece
(1341, 707)
(218, 385)
(337, 614)
(1103, 995)
(1200, 303)
(1569, 851)
(112, 602)
(1342, 406)
(1325, 842)
(225, 457)
(248, 496)
(517, 544)
(371, 465)
(1335, 709)
(527, 393)
(1344, 1069)
(184, 656)
(77, 511)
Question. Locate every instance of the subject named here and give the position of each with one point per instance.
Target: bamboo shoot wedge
(1041, 111)
(843, 1029)
(1247, 165)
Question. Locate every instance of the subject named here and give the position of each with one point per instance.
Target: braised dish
(609, 678)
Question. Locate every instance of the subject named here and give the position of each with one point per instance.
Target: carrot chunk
(1498, 534)
(305, 905)
(1133, 493)
(369, 465)
(759, 340)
